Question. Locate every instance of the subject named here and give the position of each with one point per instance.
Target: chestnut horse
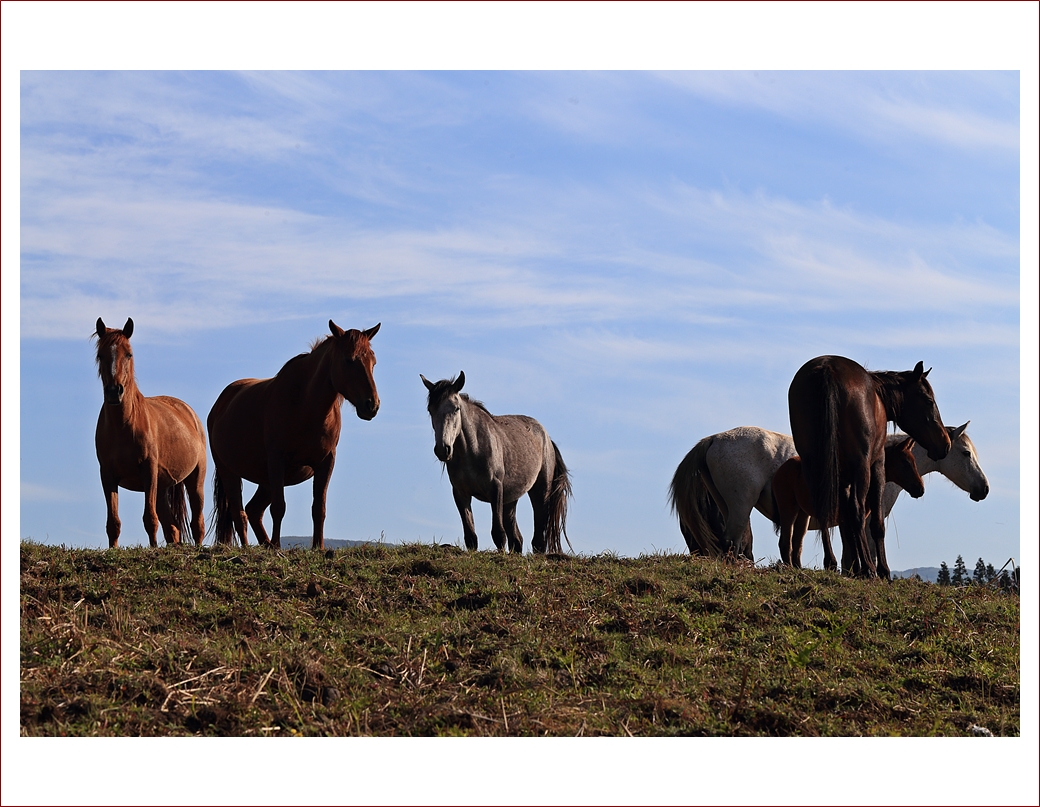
(155, 445)
(791, 500)
(284, 430)
(839, 417)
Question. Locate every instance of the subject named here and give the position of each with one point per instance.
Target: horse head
(961, 465)
(901, 468)
(352, 366)
(115, 360)
(919, 415)
(445, 408)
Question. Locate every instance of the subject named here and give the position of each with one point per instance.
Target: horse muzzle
(979, 493)
(368, 409)
(442, 452)
(113, 394)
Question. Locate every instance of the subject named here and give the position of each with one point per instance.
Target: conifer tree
(979, 575)
(943, 578)
(990, 572)
(960, 572)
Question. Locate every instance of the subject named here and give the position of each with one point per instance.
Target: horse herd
(284, 430)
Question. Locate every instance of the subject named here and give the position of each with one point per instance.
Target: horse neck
(472, 416)
(131, 409)
(313, 373)
(925, 465)
(886, 385)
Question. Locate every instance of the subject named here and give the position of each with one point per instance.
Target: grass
(424, 640)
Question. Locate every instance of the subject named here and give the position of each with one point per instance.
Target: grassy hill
(424, 640)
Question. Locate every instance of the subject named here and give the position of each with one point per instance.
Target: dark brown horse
(839, 416)
(791, 503)
(155, 445)
(284, 430)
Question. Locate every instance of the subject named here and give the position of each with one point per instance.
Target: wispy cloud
(875, 105)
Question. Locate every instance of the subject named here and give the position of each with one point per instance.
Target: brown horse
(155, 445)
(791, 504)
(284, 430)
(839, 416)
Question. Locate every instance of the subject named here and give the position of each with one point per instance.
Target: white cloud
(886, 106)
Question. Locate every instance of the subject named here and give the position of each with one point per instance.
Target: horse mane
(888, 384)
(361, 345)
(441, 388)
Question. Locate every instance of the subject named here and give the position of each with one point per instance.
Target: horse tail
(700, 518)
(820, 466)
(222, 518)
(559, 491)
(178, 498)
(775, 517)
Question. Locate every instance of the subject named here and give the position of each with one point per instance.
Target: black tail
(820, 460)
(700, 519)
(559, 492)
(222, 517)
(177, 497)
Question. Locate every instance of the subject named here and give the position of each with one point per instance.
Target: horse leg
(798, 529)
(737, 535)
(112, 526)
(233, 490)
(255, 513)
(830, 561)
(151, 517)
(464, 502)
(516, 540)
(853, 526)
(195, 487)
(876, 541)
(322, 474)
(498, 524)
(164, 510)
(539, 498)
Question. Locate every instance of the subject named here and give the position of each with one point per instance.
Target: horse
(725, 475)
(718, 483)
(791, 499)
(284, 430)
(839, 417)
(155, 445)
(497, 459)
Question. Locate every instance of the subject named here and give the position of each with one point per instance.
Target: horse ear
(457, 386)
(128, 329)
(427, 383)
(373, 331)
(919, 370)
(336, 330)
(101, 328)
(958, 430)
(908, 444)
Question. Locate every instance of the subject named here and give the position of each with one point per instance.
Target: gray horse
(726, 475)
(497, 459)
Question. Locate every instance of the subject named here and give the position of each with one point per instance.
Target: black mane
(442, 388)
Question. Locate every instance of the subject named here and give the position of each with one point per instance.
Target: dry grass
(422, 640)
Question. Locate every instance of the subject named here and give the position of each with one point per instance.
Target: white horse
(726, 475)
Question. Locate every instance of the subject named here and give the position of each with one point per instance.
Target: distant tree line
(984, 574)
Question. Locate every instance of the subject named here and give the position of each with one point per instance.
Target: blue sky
(638, 256)
(637, 259)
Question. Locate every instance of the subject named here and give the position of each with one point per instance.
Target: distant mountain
(927, 573)
(304, 542)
